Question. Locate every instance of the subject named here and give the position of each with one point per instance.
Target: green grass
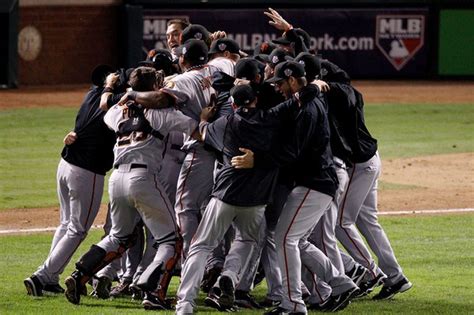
(414, 130)
(31, 142)
(435, 252)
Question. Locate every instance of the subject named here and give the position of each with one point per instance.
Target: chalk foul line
(383, 213)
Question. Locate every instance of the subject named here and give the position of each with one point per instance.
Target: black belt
(133, 165)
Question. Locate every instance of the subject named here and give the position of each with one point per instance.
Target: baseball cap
(99, 74)
(194, 50)
(289, 37)
(248, 68)
(160, 59)
(224, 44)
(195, 31)
(277, 56)
(242, 95)
(287, 69)
(311, 63)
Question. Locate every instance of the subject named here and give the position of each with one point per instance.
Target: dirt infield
(430, 182)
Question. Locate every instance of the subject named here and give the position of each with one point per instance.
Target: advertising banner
(367, 43)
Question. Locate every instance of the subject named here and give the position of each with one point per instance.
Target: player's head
(196, 31)
(311, 63)
(277, 56)
(160, 59)
(99, 74)
(289, 78)
(250, 69)
(287, 40)
(173, 32)
(193, 52)
(243, 96)
(225, 47)
(144, 79)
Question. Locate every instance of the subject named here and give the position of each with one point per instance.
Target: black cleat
(73, 290)
(321, 307)
(102, 288)
(227, 298)
(281, 311)
(387, 292)
(212, 298)
(33, 286)
(340, 302)
(269, 303)
(366, 287)
(122, 289)
(152, 302)
(210, 278)
(357, 274)
(53, 288)
(245, 300)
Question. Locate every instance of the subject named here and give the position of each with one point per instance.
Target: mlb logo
(399, 37)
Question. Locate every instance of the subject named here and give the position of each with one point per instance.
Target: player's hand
(217, 35)
(207, 113)
(277, 20)
(128, 96)
(243, 161)
(70, 138)
(111, 79)
(323, 86)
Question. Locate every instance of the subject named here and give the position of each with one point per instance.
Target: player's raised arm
(151, 99)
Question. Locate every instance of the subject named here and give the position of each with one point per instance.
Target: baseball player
(86, 157)
(173, 35)
(314, 182)
(234, 198)
(135, 190)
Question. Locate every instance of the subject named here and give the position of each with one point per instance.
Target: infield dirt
(428, 182)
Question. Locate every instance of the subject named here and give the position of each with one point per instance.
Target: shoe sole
(151, 306)
(71, 291)
(31, 288)
(343, 304)
(227, 298)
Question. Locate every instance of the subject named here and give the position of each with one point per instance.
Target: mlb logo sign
(399, 37)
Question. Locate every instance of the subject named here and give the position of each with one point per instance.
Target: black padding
(88, 263)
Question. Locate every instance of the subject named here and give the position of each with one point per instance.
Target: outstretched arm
(151, 99)
(277, 20)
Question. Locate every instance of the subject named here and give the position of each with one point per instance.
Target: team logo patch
(275, 59)
(198, 35)
(302, 62)
(222, 47)
(399, 37)
(184, 51)
(288, 72)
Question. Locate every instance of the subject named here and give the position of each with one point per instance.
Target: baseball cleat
(122, 289)
(357, 274)
(53, 288)
(152, 302)
(245, 300)
(210, 278)
(388, 292)
(33, 286)
(212, 298)
(227, 298)
(73, 290)
(102, 288)
(281, 311)
(269, 303)
(366, 287)
(340, 302)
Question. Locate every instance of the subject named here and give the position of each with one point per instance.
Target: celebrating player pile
(229, 169)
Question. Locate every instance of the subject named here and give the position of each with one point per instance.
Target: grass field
(31, 142)
(436, 253)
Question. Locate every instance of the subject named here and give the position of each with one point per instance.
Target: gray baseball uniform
(193, 92)
(80, 181)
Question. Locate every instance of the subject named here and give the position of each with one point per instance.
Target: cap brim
(274, 79)
(145, 63)
(262, 57)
